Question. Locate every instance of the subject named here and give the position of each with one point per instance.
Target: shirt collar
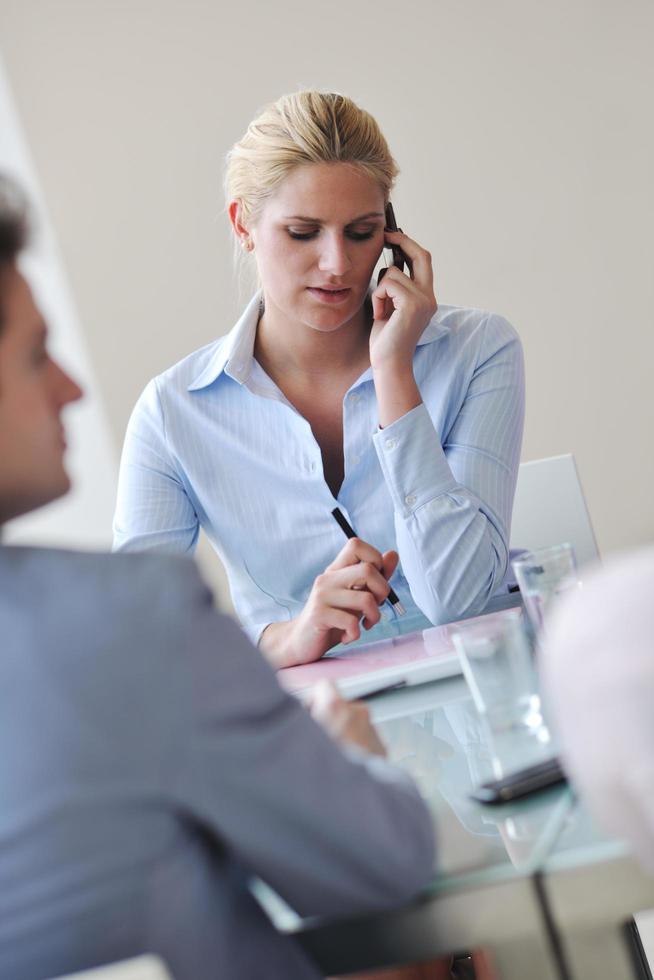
(233, 354)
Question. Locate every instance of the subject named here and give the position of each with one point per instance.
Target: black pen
(349, 533)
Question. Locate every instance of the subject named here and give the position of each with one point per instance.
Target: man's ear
(240, 230)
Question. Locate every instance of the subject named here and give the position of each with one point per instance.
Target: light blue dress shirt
(213, 442)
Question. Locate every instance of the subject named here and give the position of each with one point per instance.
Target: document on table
(416, 658)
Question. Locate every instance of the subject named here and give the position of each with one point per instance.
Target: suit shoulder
(101, 580)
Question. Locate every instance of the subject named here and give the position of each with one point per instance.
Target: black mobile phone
(399, 259)
(522, 783)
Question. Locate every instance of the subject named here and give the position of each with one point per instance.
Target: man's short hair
(13, 229)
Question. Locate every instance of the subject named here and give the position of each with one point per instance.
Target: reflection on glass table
(581, 841)
(436, 733)
(482, 894)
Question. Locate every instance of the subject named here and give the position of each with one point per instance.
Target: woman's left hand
(402, 306)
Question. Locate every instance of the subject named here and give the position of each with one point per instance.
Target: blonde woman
(331, 391)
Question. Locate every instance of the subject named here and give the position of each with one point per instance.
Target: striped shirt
(214, 443)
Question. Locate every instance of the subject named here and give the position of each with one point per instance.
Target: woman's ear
(240, 230)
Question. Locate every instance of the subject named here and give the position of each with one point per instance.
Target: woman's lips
(330, 295)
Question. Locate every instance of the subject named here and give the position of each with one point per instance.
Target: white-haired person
(598, 672)
(331, 391)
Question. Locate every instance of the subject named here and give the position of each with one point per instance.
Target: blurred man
(151, 765)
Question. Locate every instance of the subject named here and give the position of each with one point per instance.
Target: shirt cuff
(253, 631)
(413, 462)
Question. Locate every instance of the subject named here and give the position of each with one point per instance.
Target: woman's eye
(302, 236)
(360, 236)
(355, 236)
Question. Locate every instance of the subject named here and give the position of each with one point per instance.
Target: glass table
(511, 878)
(593, 887)
(435, 732)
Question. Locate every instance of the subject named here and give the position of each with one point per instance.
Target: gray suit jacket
(151, 764)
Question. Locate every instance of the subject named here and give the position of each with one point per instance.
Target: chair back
(550, 508)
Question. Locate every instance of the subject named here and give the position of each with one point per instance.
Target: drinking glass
(498, 666)
(542, 575)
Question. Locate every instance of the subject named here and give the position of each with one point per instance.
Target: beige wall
(523, 130)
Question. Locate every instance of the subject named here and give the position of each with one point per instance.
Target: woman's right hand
(349, 591)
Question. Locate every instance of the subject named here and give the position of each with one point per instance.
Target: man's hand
(348, 722)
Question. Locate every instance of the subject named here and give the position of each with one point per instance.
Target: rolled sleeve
(453, 493)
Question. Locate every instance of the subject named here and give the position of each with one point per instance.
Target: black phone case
(519, 784)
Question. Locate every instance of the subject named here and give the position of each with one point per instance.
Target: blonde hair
(304, 127)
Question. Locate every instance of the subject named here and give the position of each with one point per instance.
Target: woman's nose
(335, 258)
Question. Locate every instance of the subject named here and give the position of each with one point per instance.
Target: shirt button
(391, 443)
(312, 467)
(355, 459)
(409, 500)
(354, 398)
